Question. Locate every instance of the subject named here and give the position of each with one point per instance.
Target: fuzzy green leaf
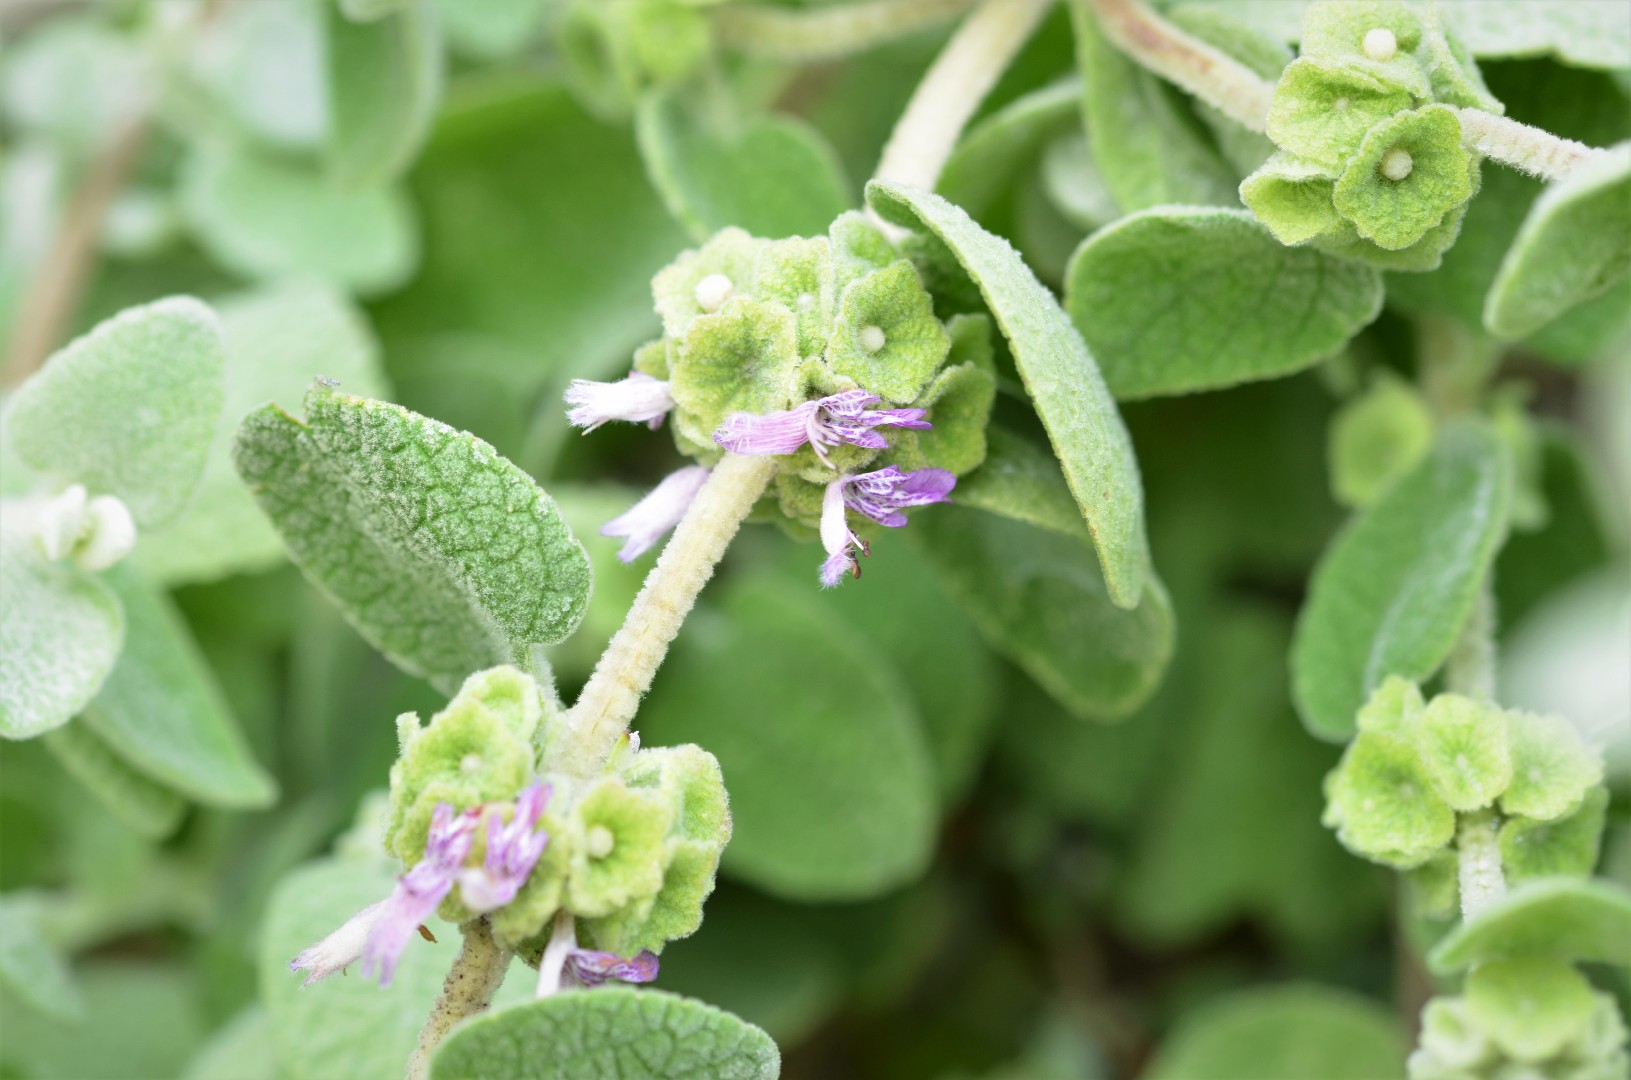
(31, 967)
(1293, 198)
(129, 409)
(1064, 383)
(1377, 438)
(1177, 300)
(1581, 35)
(1392, 591)
(1285, 1033)
(739, 359)
(150, 808)
(1462, 748)
(1574, 245)
(1563, 918)
(1039, 599)
(616, 1033)
(443, 554)
(774, 177)
(994, 150)
(893, 301)
(1020, 480)
(384, 82)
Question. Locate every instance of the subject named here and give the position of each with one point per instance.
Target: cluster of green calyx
(1523, 1018)
(1423, 783)
(759, 326)
(1370, 162)
(632, 853)
(613, 52)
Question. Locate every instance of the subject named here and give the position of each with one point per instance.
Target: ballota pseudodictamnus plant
(838, 384)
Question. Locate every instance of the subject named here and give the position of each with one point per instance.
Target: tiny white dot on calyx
(712, 292)
(1340, 104)
(871, 338)
(1397, 163)
(470, 763)
(1380, 44)
(806, 301)
(599, 842)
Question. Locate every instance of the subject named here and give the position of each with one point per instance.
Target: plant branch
(468, 989)
(1478, 852)
(625, 670)
(1529, 149)
(953, 88)
(562, 940)
(828, 33)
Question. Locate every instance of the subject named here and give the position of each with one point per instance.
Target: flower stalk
(828, 33)
(468, 989)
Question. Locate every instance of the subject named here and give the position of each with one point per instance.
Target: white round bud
(806, 301)
(1340, 104)
(62, 521)
(598, 843)
(712, 292)
(1396, 163)
(470, 764)
(1380, 44)
(110, 534)
(871, 338)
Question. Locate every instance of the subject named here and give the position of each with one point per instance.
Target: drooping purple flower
(340, 949)
(882, 496)
(591, 968)
(647, 520)
(844, 417)
(512, 851)
(420, 890)
(638, 399)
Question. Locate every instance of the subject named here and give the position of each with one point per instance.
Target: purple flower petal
(512, 851)
(591, 968)
(647, 520)
(419, 891)
(841, 418)
(771, 433)
(638, 398)
(340, 949)
(881, 496)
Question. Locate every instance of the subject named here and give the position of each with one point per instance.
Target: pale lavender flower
(880, 496)
(638, 398)
(420, 890)
(844, 417)
(591, 968)
(512, 852)
(340, 949)
(647, 520)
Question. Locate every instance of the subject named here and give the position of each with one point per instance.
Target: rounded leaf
(1566, 918)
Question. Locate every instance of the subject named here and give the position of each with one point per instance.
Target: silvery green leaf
(147, 806)
(1562, 917)
(999, 147)
(1292, 1032)
(384, 83)
(73, 80)
(492, 29)
(31, 967)
(261, 65)
(1594, 35)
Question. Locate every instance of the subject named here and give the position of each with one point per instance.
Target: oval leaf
(1564, 918)
(129, 409)
(1394, 589)
(31, 967)
(1177, 300)
(994, 151)
(1574, 245)
(138, 800)
(384, 82)
(613, 1033)
(444, 555)
(1088, 436)
(1285, 1033)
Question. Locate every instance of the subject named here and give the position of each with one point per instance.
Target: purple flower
(880, 496)
(420, 890)
(591, 968)
(638, 398)
(340, 949)
(647, 520)
(841, 418)
(512, 852)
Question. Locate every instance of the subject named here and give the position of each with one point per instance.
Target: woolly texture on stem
(1478, 849)
(953, 88)
(467, 990)
(1530, 149)
(612, 695)
(828, 33)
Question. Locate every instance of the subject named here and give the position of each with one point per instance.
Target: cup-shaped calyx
(1416, 766)
(1371, 164)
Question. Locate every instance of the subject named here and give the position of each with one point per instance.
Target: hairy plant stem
(624, 673)
(828, 33)
(1478, 850)
(1529, 149)
(468, 989)
(562, 940)
(953, 88)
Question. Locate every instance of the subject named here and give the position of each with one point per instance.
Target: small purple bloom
(647, 520)
(420, 890)
(512, 852)
(840, 418)
(881, 496)
(591, 968)
(340, 949)
(638, 398)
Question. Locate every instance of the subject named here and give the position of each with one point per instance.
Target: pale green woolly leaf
(147, 806)
(266, 218)
(1450, 1041)
(1290, 1032)
(1393, 708)
(241, 1049)
(492, 29)
(1308, 117)
(774, 176)
(1172, 301)
(1146, 148)
(1396, 213)
(61, 630)
(278, 340)
(1462, 749)
(1382, 805)
(994, 150)
(1062, 378)
(1563, 918)
(742, 359)
(129, 409)
(1574, 245)
(1582, 35)
(1040, 600)
(797, 274)
(384, 83)
(73, 79)
(162, 710)
(31, 967)
(615, 1033)
(1391, 593)
(443, 554)
(832, 792)
(886, 336)
(1293, 198)
(1262, 52)
(1073, 183)
(1565, 846)
(1530, 1006)
(1020, 480)
(1376, 439)
(1552, 768)
(263, 71)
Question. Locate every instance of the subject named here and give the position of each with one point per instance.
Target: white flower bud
(1380, 44)
(712, 292)
(1396, 163)
(599, 842)
(110, 534)
(871, 338)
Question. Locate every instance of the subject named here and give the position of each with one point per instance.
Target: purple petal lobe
(647, 520)
(591, 968)
(419, 891)
(772, 433)
(512, 851)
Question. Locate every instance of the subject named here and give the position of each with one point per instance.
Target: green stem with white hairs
(468, 989)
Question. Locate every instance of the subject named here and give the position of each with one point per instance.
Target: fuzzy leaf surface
(1285, 1033)
(384, 83)
(1565, 918)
